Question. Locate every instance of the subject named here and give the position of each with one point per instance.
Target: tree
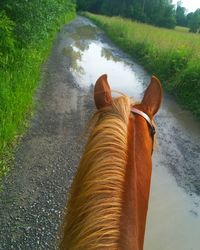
(156, 12)
(89, 5)
(181, 18)
(160, 13)
(194, 21)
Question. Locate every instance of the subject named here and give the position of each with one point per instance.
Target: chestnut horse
(109, 196)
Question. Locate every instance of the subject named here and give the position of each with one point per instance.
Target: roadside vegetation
(173, 56)
(27, 30)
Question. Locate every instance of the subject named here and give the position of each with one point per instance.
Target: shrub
(27, 29)
(6, 38)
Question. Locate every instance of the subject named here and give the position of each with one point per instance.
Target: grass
(182, 29)
(18, 84)
(172, 55)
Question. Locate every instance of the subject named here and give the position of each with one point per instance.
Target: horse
(108, 201)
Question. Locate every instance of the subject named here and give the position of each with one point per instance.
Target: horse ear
(102, 92)
(153, 96)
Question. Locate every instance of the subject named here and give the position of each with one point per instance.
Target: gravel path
(35, 191)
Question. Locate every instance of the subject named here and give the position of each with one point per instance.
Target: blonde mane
(95, 203)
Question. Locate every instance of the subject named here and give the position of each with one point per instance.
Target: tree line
(156, 12)
(191, 20)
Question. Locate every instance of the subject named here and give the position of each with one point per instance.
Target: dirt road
(32, 203)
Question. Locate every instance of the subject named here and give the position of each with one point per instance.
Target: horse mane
(94, 208)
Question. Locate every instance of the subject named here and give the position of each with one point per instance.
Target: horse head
(109, 196)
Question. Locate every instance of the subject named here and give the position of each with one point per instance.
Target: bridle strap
(146, 117)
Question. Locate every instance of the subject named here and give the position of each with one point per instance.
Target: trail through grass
(172, 55)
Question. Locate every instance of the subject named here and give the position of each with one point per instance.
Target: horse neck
(137, 186)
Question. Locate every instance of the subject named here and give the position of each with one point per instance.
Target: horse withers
(108, 201)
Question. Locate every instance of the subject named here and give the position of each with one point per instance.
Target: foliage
(188, 86)
(171, 55)
(34, 19)
(159, 13)
(181, 18)
(191, 20)
(194, 21)
(27, 29)
(6, 38)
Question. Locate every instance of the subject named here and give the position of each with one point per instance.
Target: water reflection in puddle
(174, 216)
(98, 60)
(92, 58)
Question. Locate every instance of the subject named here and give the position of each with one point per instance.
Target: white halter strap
(146, 117)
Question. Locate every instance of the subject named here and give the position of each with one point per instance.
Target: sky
(190, 5)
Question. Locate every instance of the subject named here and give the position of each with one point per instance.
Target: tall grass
(18, 83)
(174, 56)
(182, 29)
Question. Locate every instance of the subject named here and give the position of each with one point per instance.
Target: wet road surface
(32, 203)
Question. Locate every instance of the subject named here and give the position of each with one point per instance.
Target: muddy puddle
(174, 210)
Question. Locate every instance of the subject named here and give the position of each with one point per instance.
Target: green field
(172, 55)
(182, 29)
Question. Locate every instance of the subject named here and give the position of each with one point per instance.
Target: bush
(35, 19)
(188, 86)
(27, 29)
(6, 38)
